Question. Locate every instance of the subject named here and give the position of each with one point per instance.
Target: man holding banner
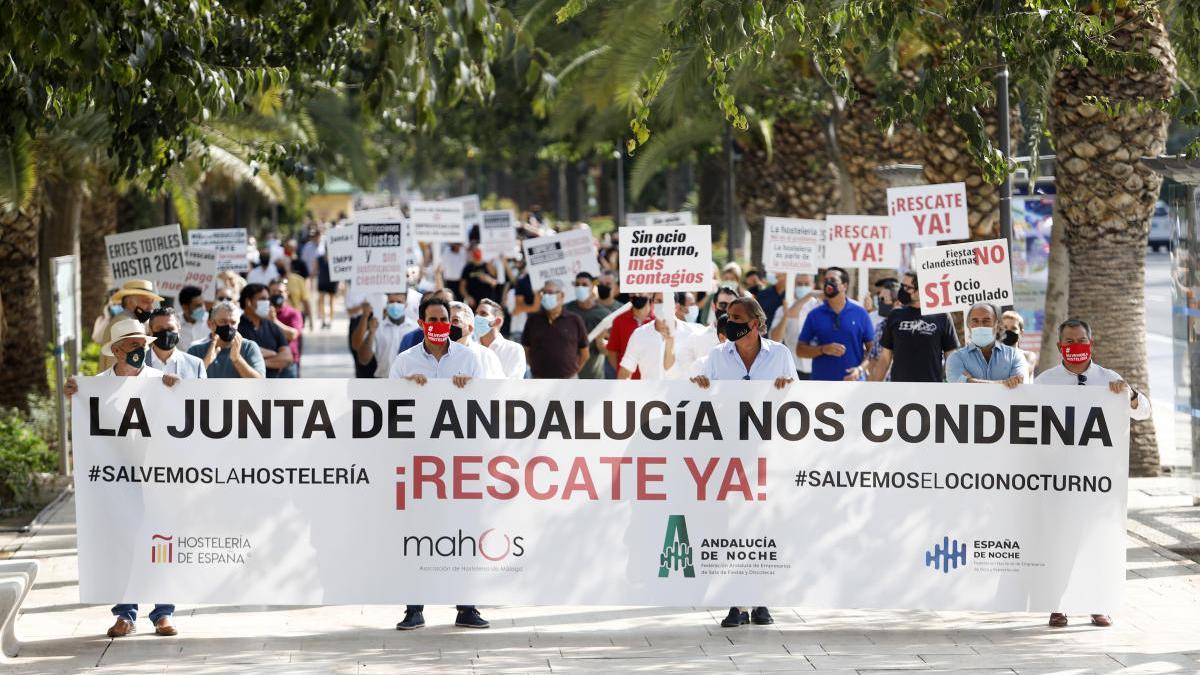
(437, 357)
(129, 348)
(137, 299)
(984, 360)
(747, 355)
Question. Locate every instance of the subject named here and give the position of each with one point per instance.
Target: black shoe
(412, 621)
(761, 616)
(735, 618)
(471, 619)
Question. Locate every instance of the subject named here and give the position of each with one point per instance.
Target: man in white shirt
(163, 354)
(437, 357)
(488, 319)
(746, 355)
(462, 331)
(668, 347)
(383, 336)
(1078, 368)
(454, 260)
(789, 319)
(129, 345)
(193, 316)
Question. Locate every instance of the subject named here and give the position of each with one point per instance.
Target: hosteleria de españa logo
(162, 549)
(677, 550)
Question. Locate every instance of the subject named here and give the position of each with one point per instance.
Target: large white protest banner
(341, 249)
(792, 244)
(438, 221)
(929, 213)
(200, 270)
(497, 234)
(560, 256)
(155, 253)
(668, 259)
(860, 241)
(847, 495)
(229, 243)
(658, 219)
(380, 252)
(956, 276)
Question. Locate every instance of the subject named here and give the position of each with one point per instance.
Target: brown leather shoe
(164, 627)
(1101, 620)
(121, 628)
(1058, 620)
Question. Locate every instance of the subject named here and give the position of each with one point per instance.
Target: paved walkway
(1157, 632)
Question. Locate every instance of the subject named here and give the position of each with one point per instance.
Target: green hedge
(23, 453)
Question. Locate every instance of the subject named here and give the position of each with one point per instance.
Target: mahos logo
(489, 545)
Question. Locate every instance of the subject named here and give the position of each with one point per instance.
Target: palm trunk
(98, 220)
(23, 364)
(1105, 200)
(59, 235)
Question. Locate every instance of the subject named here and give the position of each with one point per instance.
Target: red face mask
(1076, 353)
(477, 256)
(437, 332)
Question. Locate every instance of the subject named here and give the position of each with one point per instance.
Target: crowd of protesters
(464, 317)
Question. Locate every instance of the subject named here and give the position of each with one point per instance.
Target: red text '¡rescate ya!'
(503, 477)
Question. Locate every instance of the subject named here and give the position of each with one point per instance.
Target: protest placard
(929, 213)
(438, 221)
(229, 243)
(471, 211)
(792, 244)
(155, 254)
(200, 270)
(666, 258)
(593, 492)
(380, 253)
(341, 243)
(953, 277)
(560, 256)
(861, 242)
(497, 234)
(658, 219)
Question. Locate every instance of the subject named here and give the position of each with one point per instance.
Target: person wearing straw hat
(129, 347)
(136, 299)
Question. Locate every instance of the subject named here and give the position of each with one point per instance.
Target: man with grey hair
(1078, 368)
(462, 331)
(224, 352)
(556, 344)
(985, 360)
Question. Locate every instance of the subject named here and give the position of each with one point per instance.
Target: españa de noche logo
(203, 550)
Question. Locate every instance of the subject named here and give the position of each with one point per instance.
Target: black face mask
(225, 333)
(141, 315)
(1011, 338)
(831, 290)
(904, 296)
(639, 302)
(277, 300)
(455, 333)
(167, 339)
(735, 331)
(604, 291)
(884, 309)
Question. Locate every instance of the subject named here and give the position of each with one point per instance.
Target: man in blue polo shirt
(837, 335)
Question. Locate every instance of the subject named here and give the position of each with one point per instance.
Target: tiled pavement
(1157, 632)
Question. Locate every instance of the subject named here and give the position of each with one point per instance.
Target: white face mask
(803, 292)
(659, 310)
(693, 313)
(582, 293)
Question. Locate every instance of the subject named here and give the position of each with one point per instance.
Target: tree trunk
(59, 235)
(23, 364)
(98, 220)
(1058, 289)
(1105, 200)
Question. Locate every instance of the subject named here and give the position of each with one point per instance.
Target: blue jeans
(129, 612)
(292, 370)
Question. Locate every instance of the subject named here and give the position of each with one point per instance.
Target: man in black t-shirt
(915, 346)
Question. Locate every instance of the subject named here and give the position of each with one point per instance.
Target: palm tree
(21, 356)
(1106, 198)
